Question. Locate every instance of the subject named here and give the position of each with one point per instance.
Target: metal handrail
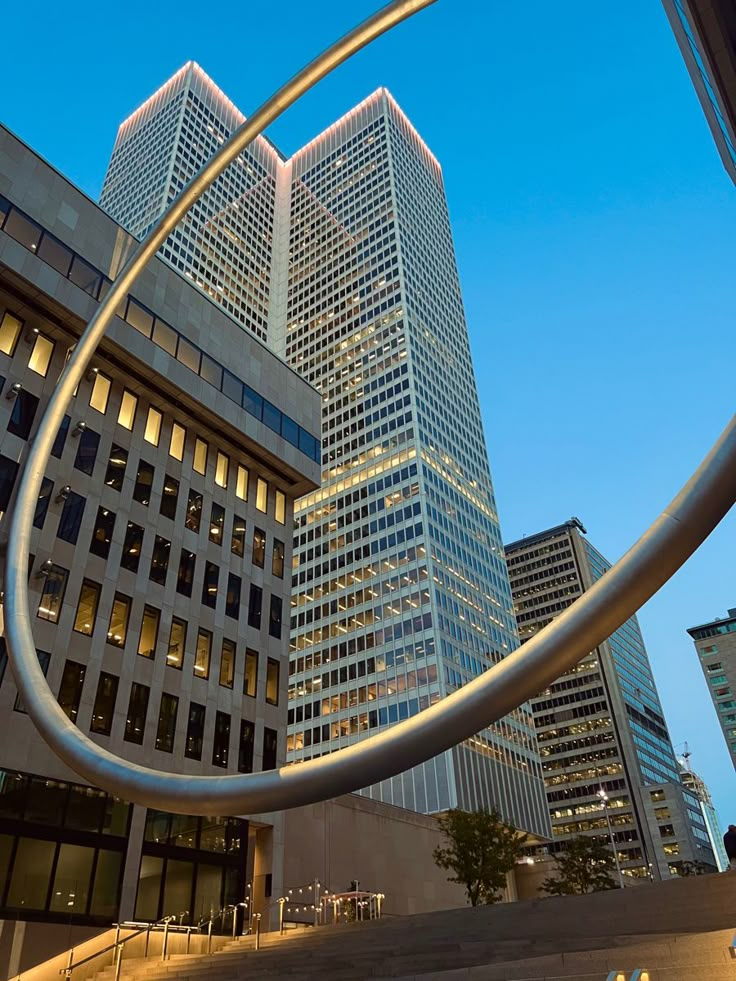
(118, 945)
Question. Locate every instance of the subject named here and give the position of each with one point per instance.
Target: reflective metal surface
(656, 556)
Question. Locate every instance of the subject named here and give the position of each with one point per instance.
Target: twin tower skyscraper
(340, 258)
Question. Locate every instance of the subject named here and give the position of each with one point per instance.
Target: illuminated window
(199, 463)
(149, 631)
(241, 486)
(177, 441)
(10, 327)
(237, 542)
(227, 664)
(221, 470)
(177, 640)
(89, 597)
(100, 394)
(126, 416)
(259, 547)
(262, 495)
(217, 523)
(41, 355)
(280, 507)
(202, 654)
(118, 629)
(153, 426)
(194, 511)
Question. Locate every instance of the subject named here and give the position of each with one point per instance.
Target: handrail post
(70, 961)
(189, 934)
(257, 919)
(118, 961)
(117, 941)
(209, 935)
(148, 937)
(282, 903)
(165, 940)
(235, 919)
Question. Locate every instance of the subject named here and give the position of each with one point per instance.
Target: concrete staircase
(679, 931)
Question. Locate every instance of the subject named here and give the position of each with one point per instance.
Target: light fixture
(92, 373)
(63, 493)
(31, 336)
(79, 428)
(14, 391)
(45, 568)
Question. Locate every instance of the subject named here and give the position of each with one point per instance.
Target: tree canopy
(481, 850)
(585, 866)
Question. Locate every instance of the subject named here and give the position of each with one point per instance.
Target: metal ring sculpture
(672, 538)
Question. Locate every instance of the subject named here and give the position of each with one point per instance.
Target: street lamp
(603, 797)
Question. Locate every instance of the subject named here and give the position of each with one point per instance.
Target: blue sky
(593, 222)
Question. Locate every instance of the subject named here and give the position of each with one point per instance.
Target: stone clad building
(159, 574)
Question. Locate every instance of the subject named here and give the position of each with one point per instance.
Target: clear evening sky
(593, 220)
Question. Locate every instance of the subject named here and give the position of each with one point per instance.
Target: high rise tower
(224, 245)
(602, 734)
(400, 586)
(715, 643)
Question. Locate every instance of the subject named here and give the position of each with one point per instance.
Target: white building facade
(400, 588)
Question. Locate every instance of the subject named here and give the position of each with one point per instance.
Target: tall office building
(224, 244)
(706, 33)
(400, 590)
(715, 643)
(600, 726)
(400, 587)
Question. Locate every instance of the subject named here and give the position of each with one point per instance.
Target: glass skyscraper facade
(601, 726)
(400, 589)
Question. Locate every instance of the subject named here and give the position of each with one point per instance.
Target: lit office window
(89, 597)
(202, 654)
(177, 640)
(100, 394)
(152, 432)
(222, 469)
(118, 629)
(149, 631)
(262, 495)
(241, 484)
(199, 463)
(177, 441)
(40, 358)
(10, 328)
(128, 406)
(280, 507)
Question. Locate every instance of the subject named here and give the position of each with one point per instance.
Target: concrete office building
(706, 33)
(400, 588)
(159, 575)
(715, 643)
(600, 727)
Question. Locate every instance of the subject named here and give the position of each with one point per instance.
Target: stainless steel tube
(656, 556)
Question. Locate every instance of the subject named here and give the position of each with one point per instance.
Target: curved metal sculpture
(672, 538)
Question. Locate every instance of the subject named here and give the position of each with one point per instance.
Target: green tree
(585, 866)
(480, 851)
